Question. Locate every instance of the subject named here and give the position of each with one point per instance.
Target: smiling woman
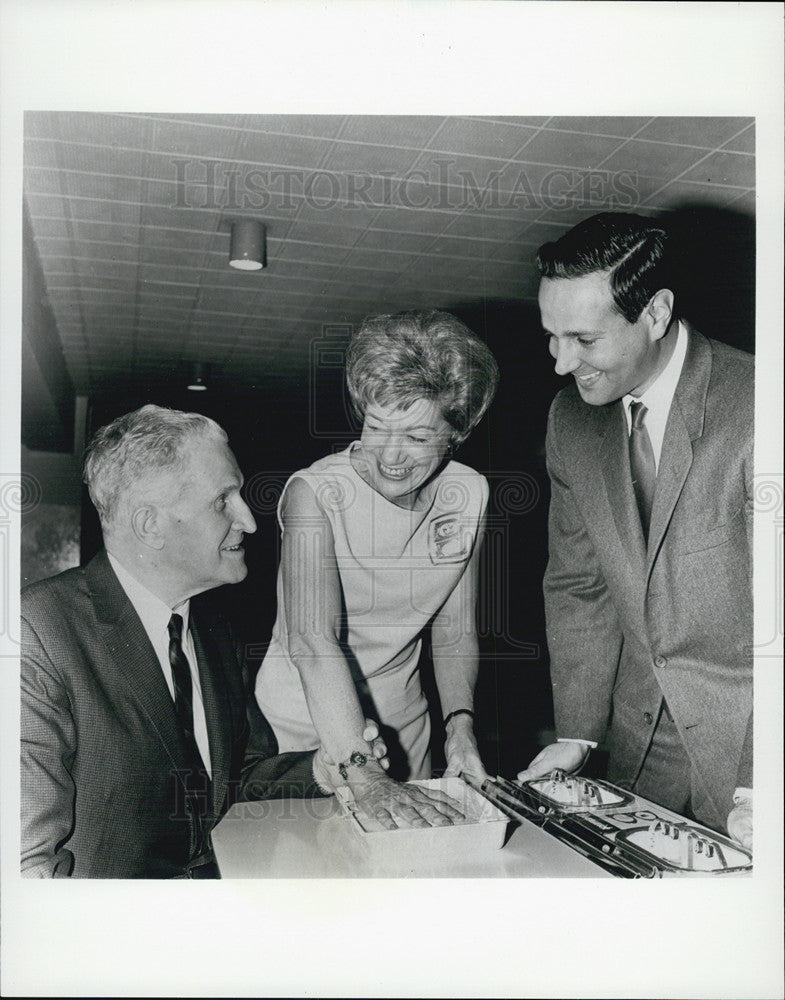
(379, 542)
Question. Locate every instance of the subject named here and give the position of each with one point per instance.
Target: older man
(137, 729)
(648, 587)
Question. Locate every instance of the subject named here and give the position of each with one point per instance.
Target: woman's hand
(386, 804)
(460, 749)
(326, 773)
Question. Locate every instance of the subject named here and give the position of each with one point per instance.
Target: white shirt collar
(153, 612)
(658, 397)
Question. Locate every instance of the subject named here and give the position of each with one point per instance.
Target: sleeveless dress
(397, 568)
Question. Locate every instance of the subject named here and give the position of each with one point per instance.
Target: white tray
(483, 831)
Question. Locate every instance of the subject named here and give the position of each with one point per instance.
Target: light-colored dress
(397, 568)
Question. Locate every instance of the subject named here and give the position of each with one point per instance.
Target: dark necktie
(642, 467)
(183, 688)
(197, 783)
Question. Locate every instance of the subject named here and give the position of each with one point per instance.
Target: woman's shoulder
(458, 470)
(327, 482)
(462, 478)
(336, 464)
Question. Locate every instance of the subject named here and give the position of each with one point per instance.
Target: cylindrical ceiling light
(246, 251)
(198, 379)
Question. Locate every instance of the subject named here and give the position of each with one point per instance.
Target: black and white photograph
(392, 536)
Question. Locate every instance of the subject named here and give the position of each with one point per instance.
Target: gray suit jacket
(628, 623)
(102, 756)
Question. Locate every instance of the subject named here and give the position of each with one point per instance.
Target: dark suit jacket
(102, 756)
(628, 623)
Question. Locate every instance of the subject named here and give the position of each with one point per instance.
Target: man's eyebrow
(228, 487)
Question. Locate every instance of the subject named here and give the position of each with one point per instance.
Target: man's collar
(661, 391)
(153, 612)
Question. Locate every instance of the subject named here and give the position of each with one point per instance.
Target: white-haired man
(137, 729)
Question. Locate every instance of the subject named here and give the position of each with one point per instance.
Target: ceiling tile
(408, 131)
(467, 135)
(320, 126)
(654, 159)
(610, 126)
(115, 130)
(351, 157)
(411, 220)
(680, 194)
(744, 142)
(39, 154)
(41, 181)
(352, 216)
(89, 210)
(297, 154)
(485, 227)
(410, 243)
(706, 132)
(52, 228)
(99, 159)
(573, 150)
(189, 139)
(725, 168)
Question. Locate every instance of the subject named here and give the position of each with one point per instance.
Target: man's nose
(243, 518)
(565, 353)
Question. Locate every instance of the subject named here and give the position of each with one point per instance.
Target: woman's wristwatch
(356, 759)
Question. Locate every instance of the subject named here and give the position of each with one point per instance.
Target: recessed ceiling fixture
(198, 380)
(246, 251)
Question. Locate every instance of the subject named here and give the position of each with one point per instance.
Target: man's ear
(146, 524)
(659, 313)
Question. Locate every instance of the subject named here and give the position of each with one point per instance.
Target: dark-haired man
(648, 586)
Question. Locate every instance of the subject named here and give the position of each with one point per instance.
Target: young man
(648, 587)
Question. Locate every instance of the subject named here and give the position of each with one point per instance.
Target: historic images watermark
(19, 495)
(769, 509)
(202, 183)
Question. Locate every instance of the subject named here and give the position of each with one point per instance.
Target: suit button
(660, 661)
(648, 718)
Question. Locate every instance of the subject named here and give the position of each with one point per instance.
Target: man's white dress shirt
(155, 615)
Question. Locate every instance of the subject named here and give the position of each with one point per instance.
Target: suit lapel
(685, 424)
(217, 709)
(133, 655)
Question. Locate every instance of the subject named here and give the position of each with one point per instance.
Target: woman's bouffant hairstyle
(423, 354)
(633, 248)
(130, 450)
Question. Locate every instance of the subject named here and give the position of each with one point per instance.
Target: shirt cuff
(591, 744)
(742, 795)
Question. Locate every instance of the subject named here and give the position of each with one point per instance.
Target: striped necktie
(642, 466)
(197, 782)
(183, 688)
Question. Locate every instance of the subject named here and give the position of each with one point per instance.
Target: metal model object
(620, 832)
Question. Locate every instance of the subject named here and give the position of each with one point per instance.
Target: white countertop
(310, 838)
